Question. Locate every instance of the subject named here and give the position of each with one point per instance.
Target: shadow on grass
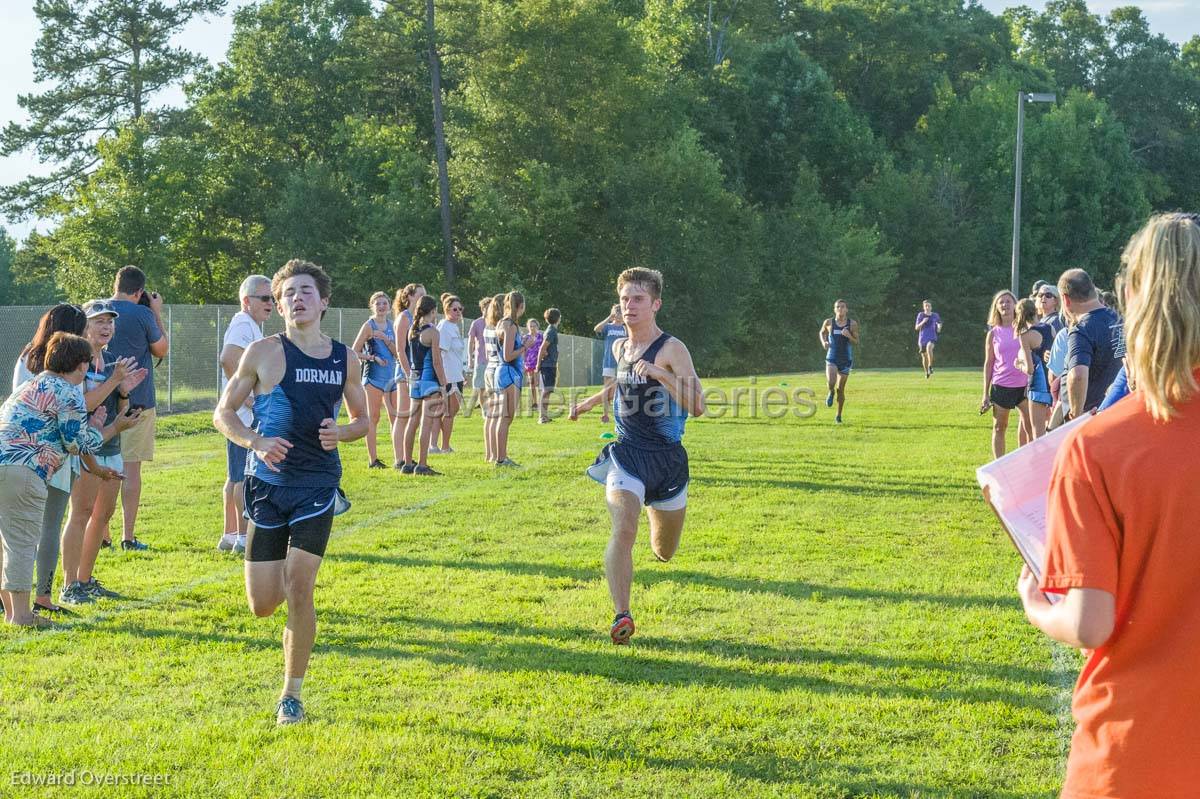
(851, 779)
(636, 665)
(792, 589)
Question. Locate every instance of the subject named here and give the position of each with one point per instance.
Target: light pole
(1022, 98)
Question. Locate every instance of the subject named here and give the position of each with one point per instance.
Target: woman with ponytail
(426, 387)
(403, 308)
(508, 375)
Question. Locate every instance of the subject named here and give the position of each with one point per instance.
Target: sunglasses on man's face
(263, 297)
(1047, 296)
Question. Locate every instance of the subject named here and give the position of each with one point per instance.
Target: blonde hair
(1160, 270)
(994, 314)
(514, 303)
(375, 296)
(495, 311)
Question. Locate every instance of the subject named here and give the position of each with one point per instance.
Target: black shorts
(1005, 397)
(549, 377)
(289, 516)
(456, 386)
(662, 472)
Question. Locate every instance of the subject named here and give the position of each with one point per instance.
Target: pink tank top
(1006, 346)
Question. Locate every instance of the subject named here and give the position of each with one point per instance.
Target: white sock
(291, 686)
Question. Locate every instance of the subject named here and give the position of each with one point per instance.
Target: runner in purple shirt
(929, 325)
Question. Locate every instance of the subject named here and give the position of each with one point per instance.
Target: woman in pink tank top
(1005, 364)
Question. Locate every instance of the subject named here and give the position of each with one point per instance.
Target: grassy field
(840, 621)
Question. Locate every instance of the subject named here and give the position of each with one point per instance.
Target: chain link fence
(189, 377)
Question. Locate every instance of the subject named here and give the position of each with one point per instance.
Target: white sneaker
(239, 545)
(433, 450)
(227, 542)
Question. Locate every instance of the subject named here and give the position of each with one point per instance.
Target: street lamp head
(1041, 97)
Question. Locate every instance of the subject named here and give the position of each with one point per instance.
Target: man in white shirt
(244, 329)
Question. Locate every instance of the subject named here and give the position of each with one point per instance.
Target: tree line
(769, 156)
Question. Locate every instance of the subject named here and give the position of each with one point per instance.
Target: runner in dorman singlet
(654, 388)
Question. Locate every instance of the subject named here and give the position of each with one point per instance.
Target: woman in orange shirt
(1123, 541)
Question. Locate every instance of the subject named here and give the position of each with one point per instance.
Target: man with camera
(140, 334)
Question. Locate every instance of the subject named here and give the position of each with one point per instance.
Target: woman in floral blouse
(40, 424)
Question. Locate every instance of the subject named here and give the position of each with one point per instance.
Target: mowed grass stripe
(839, 622)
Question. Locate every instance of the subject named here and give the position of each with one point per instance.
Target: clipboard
(1015, 487)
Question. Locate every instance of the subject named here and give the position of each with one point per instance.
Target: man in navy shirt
(140, 335)
(1093, 360)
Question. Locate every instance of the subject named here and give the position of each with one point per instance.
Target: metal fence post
(340, 324)
(170, 334)
(220, 372)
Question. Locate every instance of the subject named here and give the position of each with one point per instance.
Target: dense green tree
(106, 60)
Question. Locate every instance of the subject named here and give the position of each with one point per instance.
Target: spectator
(611, 329)
(376, 346)
(94, 495)
(1049, 307)
(140, 335)
(450, 340)
(1036, 340)
(62, 318)
(42, 422)
(1004, 380)
(245, 328)
(533, 329)
(1121, 547)
(1092, 361)
(547, 363)
(403, 306)
(1056, 364)
(478, 353)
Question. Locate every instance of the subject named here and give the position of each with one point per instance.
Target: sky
(1179, 20)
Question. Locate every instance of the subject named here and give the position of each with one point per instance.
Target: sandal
(51, 608)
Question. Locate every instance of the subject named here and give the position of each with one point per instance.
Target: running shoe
(434, 449)
(829, 400)
(97, 590)
(134, 546)
(75, 594)
(426, 471)
(622, 629)
(376, 464)
(447, 450)
(227, 542)
(547, 420)
(838, 419)
(408, 468)
(289, 711)
(239, 546)
(106, 543)
(509, 462)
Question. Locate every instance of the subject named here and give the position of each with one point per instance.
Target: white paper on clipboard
(1016, 486)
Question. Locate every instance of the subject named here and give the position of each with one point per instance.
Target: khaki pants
(22, 503)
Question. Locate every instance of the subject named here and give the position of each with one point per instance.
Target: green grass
(840, 621)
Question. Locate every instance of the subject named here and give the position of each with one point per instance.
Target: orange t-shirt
(1124, 517)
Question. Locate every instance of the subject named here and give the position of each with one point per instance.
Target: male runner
(929, 325)
(299, 379)
(838, 335)
(655, 389)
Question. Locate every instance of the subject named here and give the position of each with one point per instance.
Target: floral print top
(42, 422)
